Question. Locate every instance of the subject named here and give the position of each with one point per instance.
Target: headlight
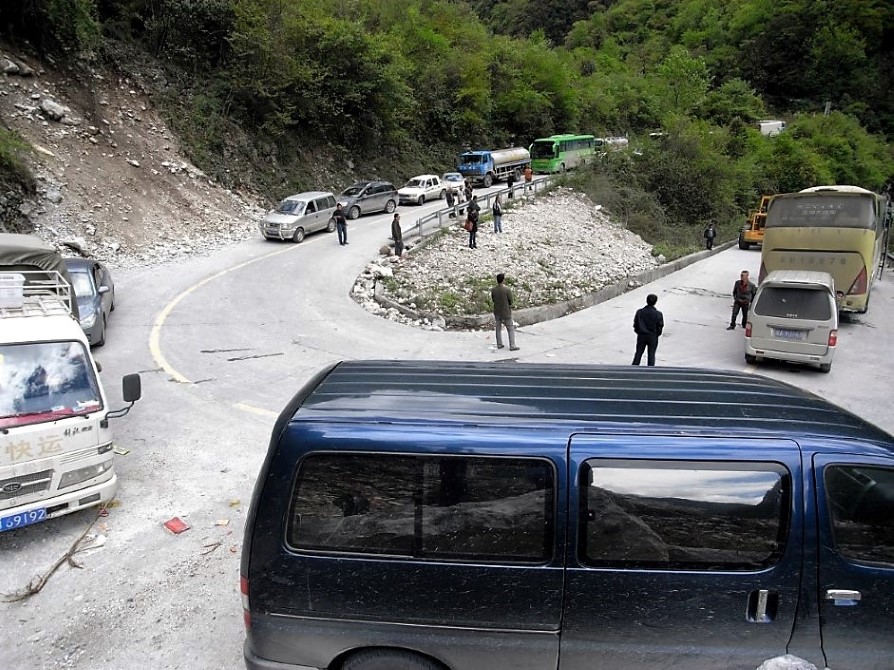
(73, 477)
(89, 320)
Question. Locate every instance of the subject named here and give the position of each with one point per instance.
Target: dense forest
(260, 90)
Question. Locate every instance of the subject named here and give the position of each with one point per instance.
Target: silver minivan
(794, 318)
(298, 215)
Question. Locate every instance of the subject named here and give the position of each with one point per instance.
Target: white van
(794, 318)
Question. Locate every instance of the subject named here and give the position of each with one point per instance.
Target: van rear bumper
(764, 349)
(255, 662)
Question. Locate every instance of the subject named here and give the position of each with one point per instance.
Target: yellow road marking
(251, 409)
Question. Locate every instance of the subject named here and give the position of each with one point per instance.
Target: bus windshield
(45, 381)
(823, 211)
(543, 149)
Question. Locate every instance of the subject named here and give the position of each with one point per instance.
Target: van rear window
(435, 507)
(794, 303)
(684, 516)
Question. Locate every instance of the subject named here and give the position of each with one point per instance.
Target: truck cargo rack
(34, 293)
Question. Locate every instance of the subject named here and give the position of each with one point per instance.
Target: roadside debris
(176, 525)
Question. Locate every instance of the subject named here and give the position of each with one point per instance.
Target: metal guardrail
(432, 223)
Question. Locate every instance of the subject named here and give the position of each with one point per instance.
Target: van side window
(683, 516)
(794, 303)
(311, 207)
(436, 507)
(861, 500)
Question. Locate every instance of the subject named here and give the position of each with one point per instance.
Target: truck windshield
(470, 158)
(45, 381)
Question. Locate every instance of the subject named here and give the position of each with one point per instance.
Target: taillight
(833, 338)
(246, 615)
(748, 329)
(859, 285)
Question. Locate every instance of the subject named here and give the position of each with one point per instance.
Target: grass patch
(14, 171)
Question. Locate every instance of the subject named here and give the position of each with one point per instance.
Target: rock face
(552, 249)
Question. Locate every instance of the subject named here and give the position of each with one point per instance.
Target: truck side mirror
(131, 387)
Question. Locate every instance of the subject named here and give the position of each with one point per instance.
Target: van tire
(390, 206)
(330, 227)
(298, 235)
(825, 367)
(751, 360)
(354, 212)
(389, 659)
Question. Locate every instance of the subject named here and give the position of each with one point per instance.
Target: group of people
(648, 322)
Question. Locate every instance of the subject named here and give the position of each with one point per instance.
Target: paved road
(223, 342)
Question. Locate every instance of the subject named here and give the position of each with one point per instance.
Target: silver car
(298, 215)
(368, 196)
(95, 293)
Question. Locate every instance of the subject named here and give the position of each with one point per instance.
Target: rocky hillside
(112, 182)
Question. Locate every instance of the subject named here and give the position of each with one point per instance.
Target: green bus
(558, 153)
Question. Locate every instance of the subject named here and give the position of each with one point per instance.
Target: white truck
(56, 451)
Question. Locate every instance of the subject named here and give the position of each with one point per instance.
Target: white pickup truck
(422, 188)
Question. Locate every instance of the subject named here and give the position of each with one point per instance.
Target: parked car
(454, 181)
(436, 515)
(298, 215)
(422, 188)
(794, 318)
(366, 197)
(95, 294)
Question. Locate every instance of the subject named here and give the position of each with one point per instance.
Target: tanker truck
(485, 166)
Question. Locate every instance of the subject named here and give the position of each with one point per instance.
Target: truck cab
(56, 449)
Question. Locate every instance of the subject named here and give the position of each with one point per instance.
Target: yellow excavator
(753, 231)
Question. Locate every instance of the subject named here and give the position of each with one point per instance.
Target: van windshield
(290, 207)
(45, 381)
(794, 303)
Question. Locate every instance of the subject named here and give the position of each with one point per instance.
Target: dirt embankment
(111, 178)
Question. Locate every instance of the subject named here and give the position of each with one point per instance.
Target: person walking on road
(501, 296)
(710, 234)
(648, 324)
(341, 224)
(397, 235)
(472, 213)
(743, 294)
(510, 182)
(497, 211)
(529, 180)
(451, 203)
(468, 190)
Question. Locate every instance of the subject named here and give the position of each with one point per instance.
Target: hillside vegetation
(283, 95)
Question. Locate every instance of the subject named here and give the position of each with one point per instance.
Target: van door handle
(843, 597)
(763, 606)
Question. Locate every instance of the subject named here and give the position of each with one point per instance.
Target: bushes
(14, 171)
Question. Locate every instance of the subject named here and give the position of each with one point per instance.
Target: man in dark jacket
(743, 294)
(648, 324)
(397, 235)
(502, 299)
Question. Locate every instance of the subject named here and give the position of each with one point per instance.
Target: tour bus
(835, 229)
(558, 153)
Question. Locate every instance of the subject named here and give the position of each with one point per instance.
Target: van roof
(803, 277)
(621, 399)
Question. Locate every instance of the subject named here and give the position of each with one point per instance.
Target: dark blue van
(466, 516)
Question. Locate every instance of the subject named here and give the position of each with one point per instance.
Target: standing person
(497, 211)
(397, 235)
(451, 202)
(529, 179)
(510, 182)
(710, 234)
(341, 224)
(501, 296)
(468, 190)
(472, 212)
(743, 294)
(648, 324)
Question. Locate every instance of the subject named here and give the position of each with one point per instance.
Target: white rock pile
(553, 249)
